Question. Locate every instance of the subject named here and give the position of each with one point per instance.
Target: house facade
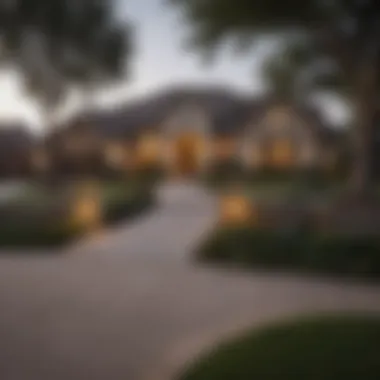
(277, 137)
(288, 137)
(186, 133)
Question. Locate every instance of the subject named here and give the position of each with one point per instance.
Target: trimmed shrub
(37, 236)
(122, 207)
(149, 175)
(301, 250)
(222, 172)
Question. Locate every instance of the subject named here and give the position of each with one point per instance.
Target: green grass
(325, 348)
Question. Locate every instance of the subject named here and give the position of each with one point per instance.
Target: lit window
(282, 153)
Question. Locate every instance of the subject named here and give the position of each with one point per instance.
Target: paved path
(184, 214)
(130, 308)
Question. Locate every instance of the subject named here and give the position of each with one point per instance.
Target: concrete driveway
(184, 214)
(130, 307)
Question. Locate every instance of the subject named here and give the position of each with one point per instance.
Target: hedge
(300, 251)
(43, 225)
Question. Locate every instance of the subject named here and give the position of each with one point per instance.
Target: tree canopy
(336, 41)
(60, 44)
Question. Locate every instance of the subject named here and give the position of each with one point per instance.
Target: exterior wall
(117, 155)
(280, 139)
(224, 147)
(190, 122)
(78, 150)
(149, 149)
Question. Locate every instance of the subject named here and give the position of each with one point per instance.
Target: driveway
(184, 214)
(130, 307)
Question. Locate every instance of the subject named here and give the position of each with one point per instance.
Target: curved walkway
(130, 307)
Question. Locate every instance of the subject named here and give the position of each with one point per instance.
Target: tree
(282, 78)
(340, 36)
(62, 44)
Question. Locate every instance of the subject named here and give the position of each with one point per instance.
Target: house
(291, 137)
(203, 125)
(16, 145)
(185, 130)
(260, 133)
(73, 149)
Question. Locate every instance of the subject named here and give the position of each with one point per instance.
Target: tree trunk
(366, 107)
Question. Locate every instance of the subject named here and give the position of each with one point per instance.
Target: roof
(15, 138)
(231, 118)
(307, 112)
(223, 105)
(229, 112)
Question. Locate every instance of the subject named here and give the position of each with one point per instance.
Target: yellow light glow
(282, 153)
(236, 209)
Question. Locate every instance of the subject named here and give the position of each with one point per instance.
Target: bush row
(39, 231)
(223, 172)
(40, 236)
(122, 207)
(303, 250)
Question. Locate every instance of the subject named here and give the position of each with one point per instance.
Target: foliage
(51, 236)
(302, 250)
(223, 172)
(125, 201)
(149, 175)
(337, 40)
(56, 45)
(40, 219)
(326, 347)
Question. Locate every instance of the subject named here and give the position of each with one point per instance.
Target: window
(282, 153)
(149, 148)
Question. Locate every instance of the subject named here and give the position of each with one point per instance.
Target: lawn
(325, 348)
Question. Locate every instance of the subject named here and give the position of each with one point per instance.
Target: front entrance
(280, 154)
(188, 149)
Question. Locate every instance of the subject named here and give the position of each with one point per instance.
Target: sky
(159, 60)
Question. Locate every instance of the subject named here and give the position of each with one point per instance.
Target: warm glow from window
(282, 153)
(188, 150)
(224, 148)
(149, 149)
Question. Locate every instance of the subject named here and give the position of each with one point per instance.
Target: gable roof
(223, 106)
(228, 110)
(307, 112)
